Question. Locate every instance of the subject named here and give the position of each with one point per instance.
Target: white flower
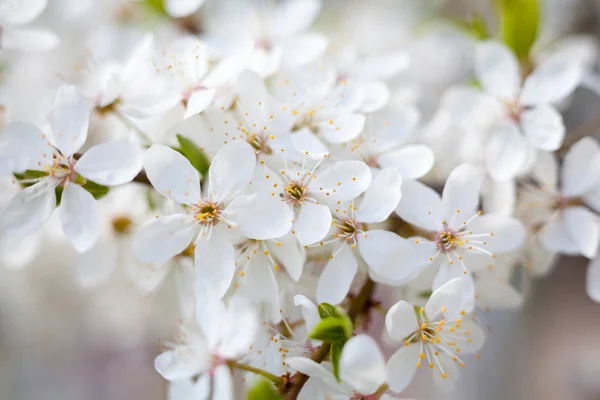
(458, 231)
(565, 216)
(111, 163)
(389, 256)
(302, 188)
(185, 64)
(527, 119)
(275, 34)
(13, 14)
(362, 371)
(223, 333)
(436, 334)
(257, 216)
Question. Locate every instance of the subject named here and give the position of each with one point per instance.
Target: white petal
(362, 364)
(461, 191)
(493, 293)
(293, 16)
(235, 341)
(182, 363)
(260, 216)
(376, 94)
(187, 389)
(497, 69)
(150, 105)
(342, 128)
(544, 127)
(303, 49)
(456, 295)
(198, 101)
(506, 151)
(592, 280)
(343, 181)
(420, 205)
(388, 254)
(449, 367)
(397, 130)
(400, 320)
(381, 198)
(584, 229)
(163, 238)
(259, 285)
(17, 12)
(308, 143)
(412, 161)
(310, 314)
(312, 369)
(580, 171)
(508, 233)
(23, 146)
(215, 262)
(29, 209)
(209, 307)
(172, 175)
(146, 277)
(312, 224)
(182, 8)
(231, 170)
(381, 67)
(401, 367)
(554, 236)
(545, 170)
(16, 252)
(335, 280)
(69, 119)
(222, 383)
(29, 39)
(112, 163)
(96, 265)
(446, 273)
(79, 217)
(499, 197)
(551, 82)
(290, 255)
(476, 336)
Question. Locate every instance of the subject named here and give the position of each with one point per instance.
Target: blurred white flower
(13, 14)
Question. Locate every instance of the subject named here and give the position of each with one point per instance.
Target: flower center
(208, 212)
(259, 142)
(295, 192)
(122, 224)
(449, 239)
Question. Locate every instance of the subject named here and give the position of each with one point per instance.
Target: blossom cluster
(297, 181)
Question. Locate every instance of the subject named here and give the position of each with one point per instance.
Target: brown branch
(358, 307)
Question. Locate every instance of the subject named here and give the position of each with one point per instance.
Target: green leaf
(263, 390)
(336, 354)
(333, 329)
(58, 193)
(475, 26)
(98, 191)
(192, 152)
(157, 6)
(519, 24)
(327, 310)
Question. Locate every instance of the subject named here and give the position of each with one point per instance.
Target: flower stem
(267, 375)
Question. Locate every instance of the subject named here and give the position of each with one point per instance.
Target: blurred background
(59, 340)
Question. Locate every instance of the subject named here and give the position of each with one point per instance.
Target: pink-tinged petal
(335, 280)
(381, 198)
(69, 119)
(260, 216)
(362, 364)
(29, 209)
(388, 254)
(79, 217)
(312, 224)
(172, 175)
(400, 320)
(420, 205)
(215, 262)
(231, 170)
(163, 238)
(112, 163)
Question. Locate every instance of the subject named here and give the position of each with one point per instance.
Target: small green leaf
(192, 152)
(98, 191)
(327, 310)
(519, 24)
(336, 354)
(425, 294)
(263, 390)
(333, 329)
(157, 6)
(58, 193)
